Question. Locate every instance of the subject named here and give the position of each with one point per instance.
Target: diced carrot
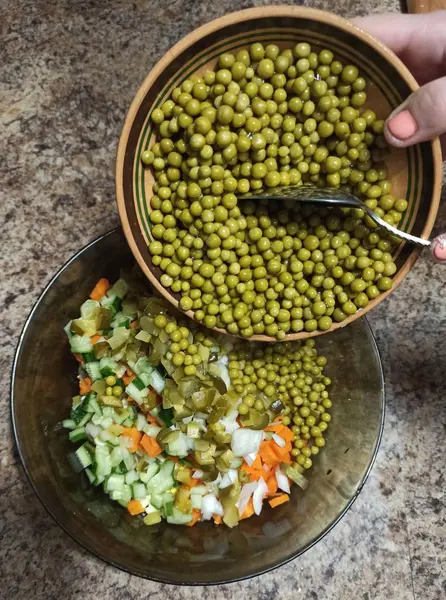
(249, 510)
(129, 371)
(194, 482)
(135, 507)
(152, 420)
(151, 446)
(281, 450)
(257, 464)
(286, 458)
(279, 500)
(254, 474)
(95, 338)
(267, 453)
(196, 514)
(135, 435)
(85, 385)
(217, 519)
(272, 485)
(282, 430)
(128, 378)
(79, 358)
(100, 289)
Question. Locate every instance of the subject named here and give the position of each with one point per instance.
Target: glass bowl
(44, 380)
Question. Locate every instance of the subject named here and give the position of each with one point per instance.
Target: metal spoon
(332, 197)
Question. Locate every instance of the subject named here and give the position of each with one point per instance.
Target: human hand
(420, 42)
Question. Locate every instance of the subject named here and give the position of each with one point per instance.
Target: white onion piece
(228, 479)
(249, 459)
(245, 495)
(211, 506)
(230, 422)
(282, 481)
(246, 441)
(198, 474)
(259, 494)
(279, 440)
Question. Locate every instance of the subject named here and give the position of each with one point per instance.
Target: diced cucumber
(163, 480)
(129, 459)
(114, 483)
(91, 404)
(93, 370)
(116, 456)
(141, 382)
(151, 430)
(96, 419)
(119, 289)
(126, 495)
(139, 491)
(150, 472)
(69, 424)
(110, 438)
(156, 381)
(131, 477)
(137, 394)
(141, 422)
(157, 500)
(91, 476)
(81, 459)
(106, 422)
(77, 435)
(103, 461)
(85, 419)
(178, 518)
(68, 331)
(143, 365)
(80, 344)
(115, 495)
(107, 366)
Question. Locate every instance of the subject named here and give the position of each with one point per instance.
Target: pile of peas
(183, 343)
(292, 373)
(269, 117)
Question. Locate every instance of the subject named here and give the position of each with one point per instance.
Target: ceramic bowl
(415, 173)
(44, 380)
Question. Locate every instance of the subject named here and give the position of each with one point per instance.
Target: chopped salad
(180, 425)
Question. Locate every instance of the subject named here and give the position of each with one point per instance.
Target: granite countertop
(68, 71)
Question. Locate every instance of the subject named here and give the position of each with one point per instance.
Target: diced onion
(259, 494)
(282, 481)
(211, 506)
(250, 458)
(198, 474)
(246, 441)
(279, 440)
(245, 495)
(228, 479)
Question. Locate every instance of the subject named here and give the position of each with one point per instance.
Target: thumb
(420, 118)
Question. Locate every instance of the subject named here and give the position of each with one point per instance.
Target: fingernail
(402, 126)
(439, 249)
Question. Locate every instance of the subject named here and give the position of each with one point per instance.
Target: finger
(419, 40)
(420, 118)
(438, 248)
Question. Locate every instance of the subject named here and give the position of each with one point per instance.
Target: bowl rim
(246, 15)
(291, 556)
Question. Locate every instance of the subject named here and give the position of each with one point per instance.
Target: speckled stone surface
(68, 71)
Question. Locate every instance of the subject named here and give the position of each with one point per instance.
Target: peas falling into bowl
(267, 103)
